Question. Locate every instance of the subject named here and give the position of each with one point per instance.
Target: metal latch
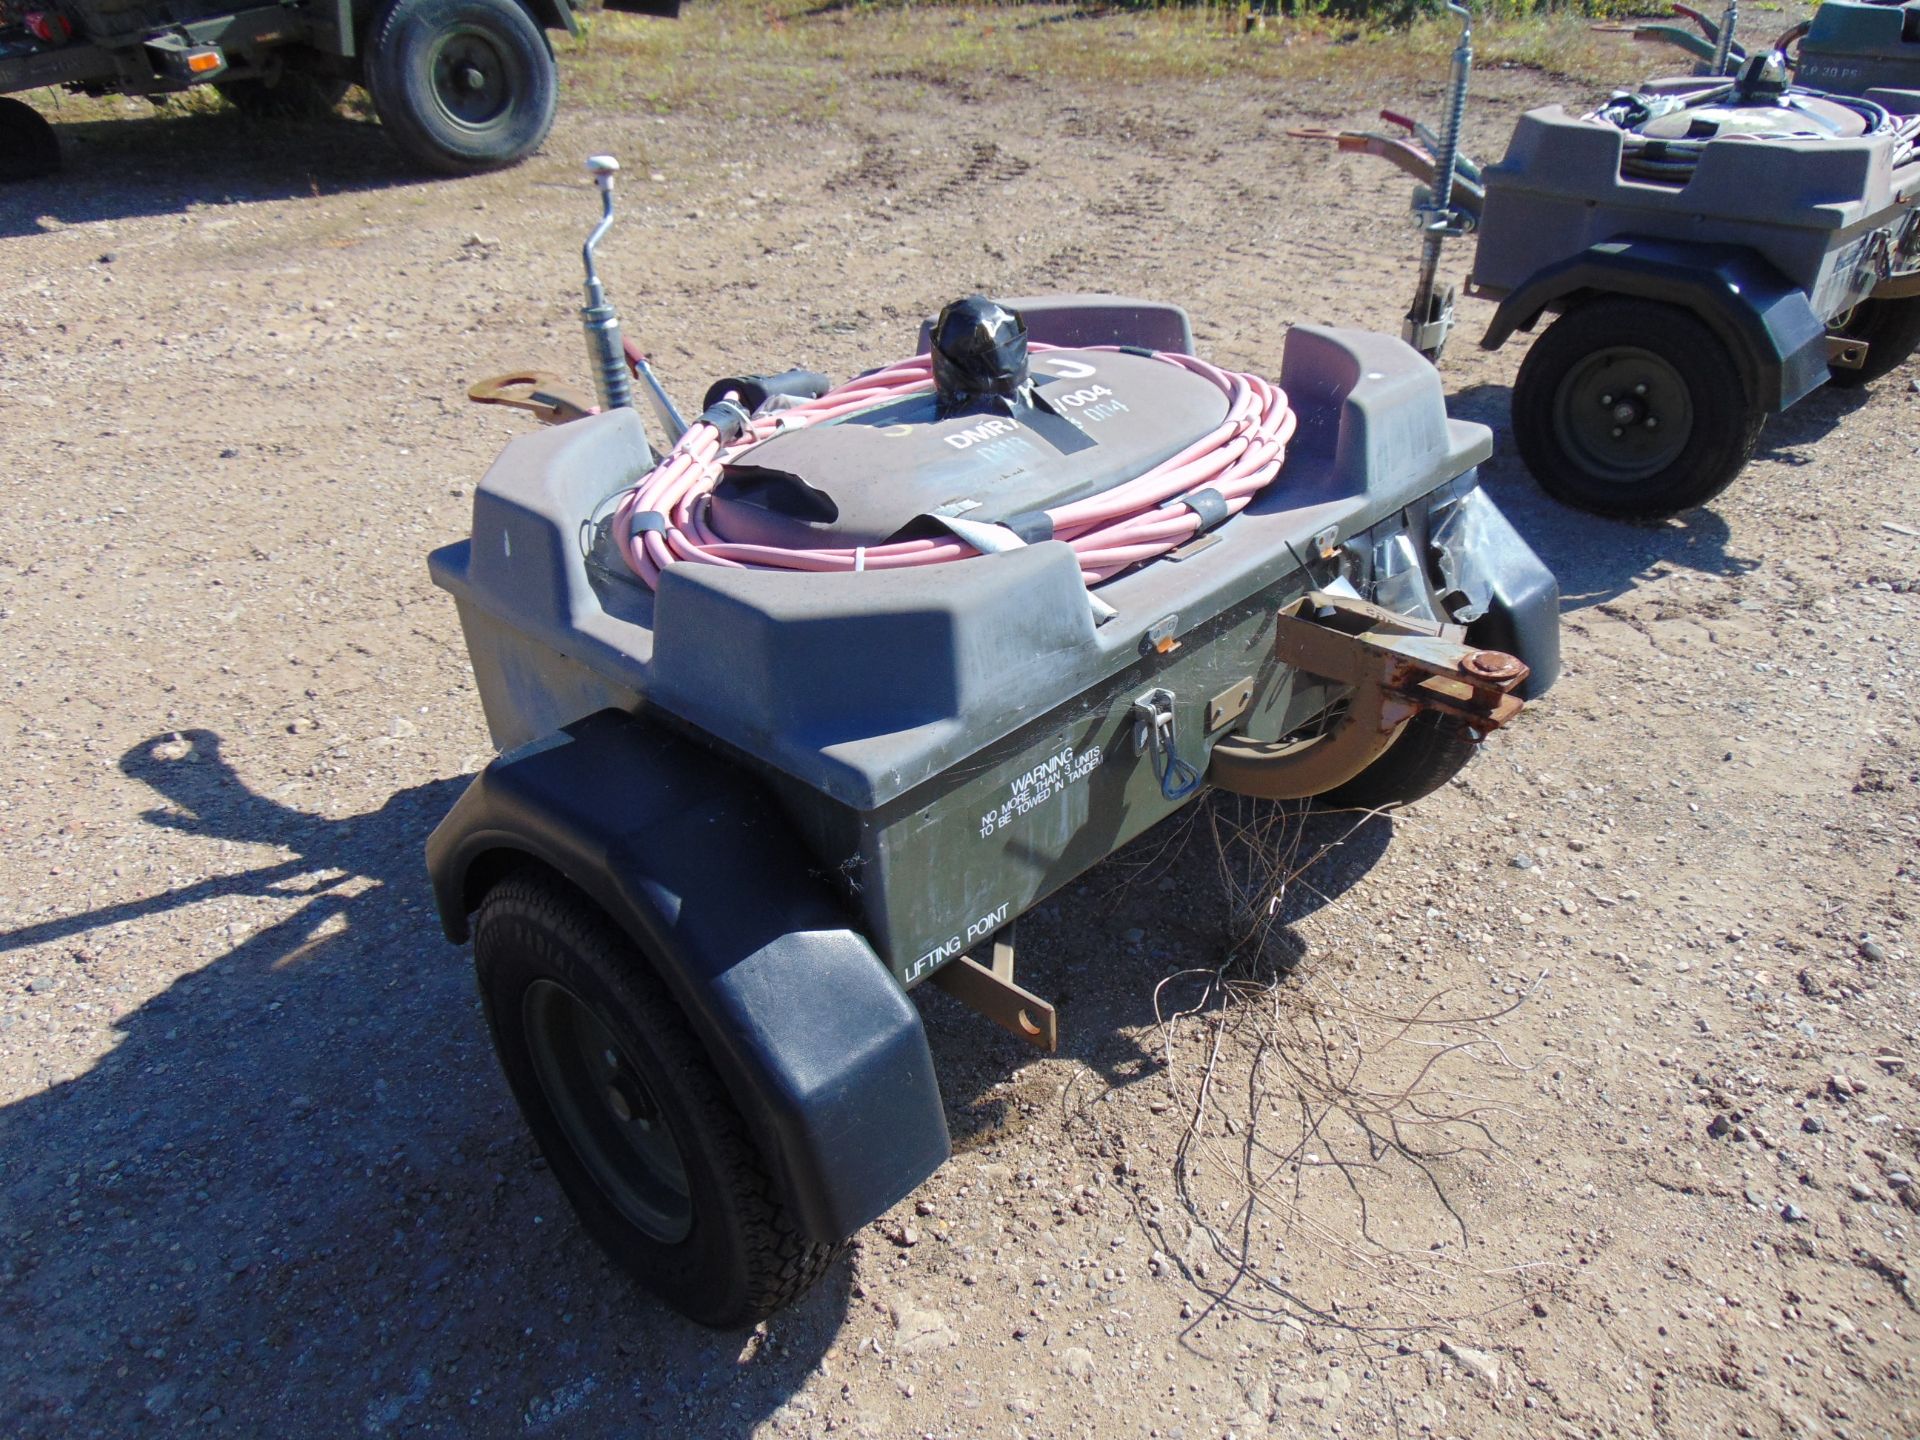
(1152, 721)
(1155, 735)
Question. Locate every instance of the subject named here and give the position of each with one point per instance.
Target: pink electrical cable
(1109, 532)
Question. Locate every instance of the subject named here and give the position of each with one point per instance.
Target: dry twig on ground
(1308, 1104)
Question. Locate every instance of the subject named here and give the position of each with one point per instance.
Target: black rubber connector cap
(755, 390)
(979, 349)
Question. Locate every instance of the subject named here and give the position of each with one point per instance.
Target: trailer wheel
(1430, 751)
(29, 150)
(1891, 329)
(1633, 408)
(462, 85)
(293, 87)
(629, 1112)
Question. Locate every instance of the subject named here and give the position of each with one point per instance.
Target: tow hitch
(1397, 665)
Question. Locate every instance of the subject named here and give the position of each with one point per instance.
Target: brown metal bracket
(991, 992)
(1845, 353)
(1396, 666)
(547, 397)
(1405, 155)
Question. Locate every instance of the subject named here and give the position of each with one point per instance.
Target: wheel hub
(607, 1112)
(471, 80)
(1624, 413)
(630, 1103)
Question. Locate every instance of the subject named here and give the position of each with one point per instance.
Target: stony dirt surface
(1634, 1002)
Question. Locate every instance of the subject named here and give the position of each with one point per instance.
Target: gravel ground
(1634, 1001)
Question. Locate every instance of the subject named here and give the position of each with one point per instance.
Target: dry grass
(805, 59)
(1327, 1121)
(802, 61)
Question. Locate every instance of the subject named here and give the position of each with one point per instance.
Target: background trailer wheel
(1633, 408)
(1430, 751)
(1891, 329)
(629, 1112)
(28, 147)
(462, 85)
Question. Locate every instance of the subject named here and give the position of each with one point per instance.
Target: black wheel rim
(472, 82)
(1623, 414)
(607, 1112)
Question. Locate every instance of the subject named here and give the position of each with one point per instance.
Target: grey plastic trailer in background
(1855, 48)
(1848, 47)
(1707, 295)
(1713, 249)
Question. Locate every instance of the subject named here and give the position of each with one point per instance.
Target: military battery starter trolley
(1856, 47)
(460, 85)
(1715, 249)
(808, 709)
(1869, 48)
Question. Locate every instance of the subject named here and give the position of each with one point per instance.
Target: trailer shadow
(174, 161)
(1787, 436)
(1173, 902)
(295, 1198)
(1595, 559)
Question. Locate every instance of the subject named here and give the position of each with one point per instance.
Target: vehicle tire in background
(29, 150)
(1427, 755)
(629, 1112)
(1891, 329)
(1633, 408)
(462, 85)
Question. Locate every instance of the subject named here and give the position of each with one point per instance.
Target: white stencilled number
(1068, 369)
(1085, 396)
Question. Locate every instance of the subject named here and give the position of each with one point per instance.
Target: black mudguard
(1770, 326)
(821, 1050)
(1517, 598)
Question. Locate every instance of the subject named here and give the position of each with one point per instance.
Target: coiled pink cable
(1109, 532)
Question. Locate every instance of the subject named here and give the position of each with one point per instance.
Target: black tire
(29, 150)
(1596, 442)
(1891, 329)
(462, 85)
(295, 88)
(1429, 753)
(715, 1243)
